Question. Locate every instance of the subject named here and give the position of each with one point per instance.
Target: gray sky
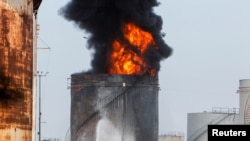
(211, 45)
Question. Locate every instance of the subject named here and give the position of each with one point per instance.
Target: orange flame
(124, 59)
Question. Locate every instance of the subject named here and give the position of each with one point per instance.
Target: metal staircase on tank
(99, 104)
(103, 103)
(107, 100)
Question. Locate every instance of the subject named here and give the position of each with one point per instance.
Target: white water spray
(106, 131)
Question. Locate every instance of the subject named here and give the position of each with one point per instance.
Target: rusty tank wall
(129, 103)
(16, 69)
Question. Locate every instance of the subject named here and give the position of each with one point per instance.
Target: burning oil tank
(122, 107)
(118, 97)
(16, 69)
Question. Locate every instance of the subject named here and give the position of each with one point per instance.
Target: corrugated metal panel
(130, 103)
(16, 70)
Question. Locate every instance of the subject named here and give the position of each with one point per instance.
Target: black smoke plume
(103, 19)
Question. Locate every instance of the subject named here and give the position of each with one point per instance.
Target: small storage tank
(16, 69)
(114, 107)
(172, 137)
(197, 123)
(244, 94)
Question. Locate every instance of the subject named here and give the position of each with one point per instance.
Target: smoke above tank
(125, 34)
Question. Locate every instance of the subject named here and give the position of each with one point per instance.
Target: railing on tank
(225, 110)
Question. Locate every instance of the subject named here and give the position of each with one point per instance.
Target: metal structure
(197, 123)
(128, 103)
(40, 75)
(16, 69)
(244, 94)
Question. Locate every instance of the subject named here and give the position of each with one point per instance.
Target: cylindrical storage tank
(244, 91)
(197, 123)
(16, 70)
(114, 107)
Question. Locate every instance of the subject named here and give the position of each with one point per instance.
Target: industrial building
(17, 69)
(197, 123)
